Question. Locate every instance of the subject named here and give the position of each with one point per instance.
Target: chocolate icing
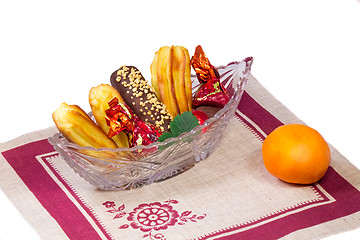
(140, 97)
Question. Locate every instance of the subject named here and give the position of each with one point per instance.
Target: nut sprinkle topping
(140, 97)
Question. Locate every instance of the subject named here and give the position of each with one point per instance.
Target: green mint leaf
(165, 136)
(184, 122)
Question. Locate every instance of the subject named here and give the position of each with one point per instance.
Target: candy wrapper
(200, 115)
(211, 92)
(120, 117)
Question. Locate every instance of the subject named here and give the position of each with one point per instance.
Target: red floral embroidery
(152, 217)
(109, 204)
(119, 211)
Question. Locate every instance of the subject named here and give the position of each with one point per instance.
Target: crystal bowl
(127, 168)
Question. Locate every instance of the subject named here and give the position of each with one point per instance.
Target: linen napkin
(229, 195)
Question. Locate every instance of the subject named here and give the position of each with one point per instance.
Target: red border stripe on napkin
(23, 160)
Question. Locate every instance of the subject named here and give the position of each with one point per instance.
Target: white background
(306, 53)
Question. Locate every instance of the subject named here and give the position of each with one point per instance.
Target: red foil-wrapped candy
(211, 92)
(120, 118)
(200, 115)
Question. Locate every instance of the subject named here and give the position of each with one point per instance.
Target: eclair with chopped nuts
(140, 97)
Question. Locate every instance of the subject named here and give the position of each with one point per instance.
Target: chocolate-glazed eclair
(140, 97)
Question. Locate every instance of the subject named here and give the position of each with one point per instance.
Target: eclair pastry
(140, 97)
(77, 127)
(171, 78)
(99, 98)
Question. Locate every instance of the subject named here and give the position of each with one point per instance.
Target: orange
(296, 153)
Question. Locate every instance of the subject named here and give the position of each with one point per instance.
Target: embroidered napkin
(230, 195)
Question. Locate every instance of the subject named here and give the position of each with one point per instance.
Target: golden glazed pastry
(99, 98)
(77, 127)
(171, 79)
